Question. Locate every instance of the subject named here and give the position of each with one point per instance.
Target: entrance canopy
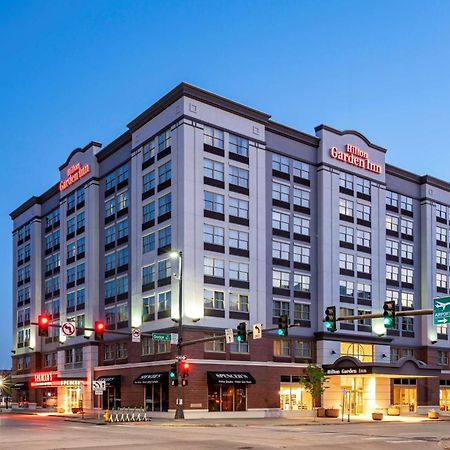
(230, 378)
(151, 378)
(20, 385)
(405, 368)
(111, 380)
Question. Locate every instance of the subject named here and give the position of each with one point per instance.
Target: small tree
(314, 381)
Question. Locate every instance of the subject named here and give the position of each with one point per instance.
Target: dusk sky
(76, 71)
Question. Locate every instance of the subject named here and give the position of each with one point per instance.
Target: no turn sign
(68, 329)
(135, 335)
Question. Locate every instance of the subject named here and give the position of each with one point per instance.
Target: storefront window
(405, 394)
(157, 397)
(228, 397)
(444, 395)
(293, 396)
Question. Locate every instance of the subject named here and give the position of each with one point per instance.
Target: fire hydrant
(106, 416)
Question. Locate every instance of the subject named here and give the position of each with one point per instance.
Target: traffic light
(173, 371)
(241, 332)
(99, 329)
(283, 325)
(330, 318)
(185, 368)
(43, 324)
(389, 314)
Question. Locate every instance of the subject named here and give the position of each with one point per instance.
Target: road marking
(404, 442)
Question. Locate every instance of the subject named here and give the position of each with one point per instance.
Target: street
(18, 431)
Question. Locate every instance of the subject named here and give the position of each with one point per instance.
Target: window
(148, 243)
(109, 352)
(301, 198)
(364, 291)
(441, 234)
(346, 261)
(408, 324)
(80, 272)
(281, 347)
(407, 299)
(301, 226)
(239, 347)
(363, 238)
(407, 275)
(238, 177)
(346, 181)
(122, 173)
(391, 223)
(71, 275)
(280, 279)
(122, 229)
(148, 212)
(280, 308)
(280, 221)
(213, 169)
(148, 150)
(165, 237)
(165, 204)
(238, 239)
(363, 352)
(122, 312)
(213, 235)
(80, 246)
(364, 322)
(122, 257)
(80, 220)
(239, 302)
(346, 207)
(301, 170)
(148, 181)
(392, 296)
(391, 272)
(214, 202)
(363, 264)
(164, 269)
(121, 350)
(68, 357)
(110, 289)
(391, 247)
(302, 311)
(213, 137)
(280, 250)
(407, 227)
(442, 358)
(363, 212)
(71, 225)
(122, 201)
(213, 299)
(392, 199)
(280, 163)
(441, 257)
(441, 211)
(110, 235)
(406, 203)
(363, 186)
(148, 274)
(164, 140)
(346, 234)
(346, 288)
(302, 349)
(110, 207)
(165, 172)
(71, 201)
(110, 181)
(238, 145)
(280, 192)
(238, 271)
(122, 285)
(149, 306)
(147, 346)
(301, 254)
(441, 280)
(238, 208)
(213, 267)
(71, 250)
(442, 329)
(217, 346)
(407, 251)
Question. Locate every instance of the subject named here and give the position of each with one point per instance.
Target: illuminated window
(363, 352)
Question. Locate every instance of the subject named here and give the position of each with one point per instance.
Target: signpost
(441, 311)
(69, 329)
(257, 331)
(135, 335)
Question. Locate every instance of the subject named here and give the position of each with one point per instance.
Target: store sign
(42, 379)
(356, 157)
(348, 371)
(74, 173)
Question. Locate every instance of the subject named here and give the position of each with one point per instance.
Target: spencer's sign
(356, 157)
(73, 174)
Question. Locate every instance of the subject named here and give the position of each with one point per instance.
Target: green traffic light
(328, 325)
(280, 332)
(238, 338)
(388, 322)
(172, 374)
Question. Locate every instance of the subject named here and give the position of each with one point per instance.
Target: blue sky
(75, 71)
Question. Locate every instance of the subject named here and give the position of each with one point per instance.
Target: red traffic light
(185, 367)
(43, 324)
(43, 320)
(99, 326)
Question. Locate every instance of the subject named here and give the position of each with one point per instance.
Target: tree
(314, 381)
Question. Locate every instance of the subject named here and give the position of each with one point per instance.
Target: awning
(21, 386)
(230, 377)
(151, 378)
(111, 380)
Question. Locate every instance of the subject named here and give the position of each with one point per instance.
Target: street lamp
(179, 413)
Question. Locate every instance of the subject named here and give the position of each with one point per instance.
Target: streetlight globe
(174, 254)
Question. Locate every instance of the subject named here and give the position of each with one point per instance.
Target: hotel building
(270, 221)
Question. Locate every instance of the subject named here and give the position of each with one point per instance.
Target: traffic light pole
(179, 413)
(412, 312)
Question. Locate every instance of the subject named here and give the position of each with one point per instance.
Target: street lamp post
(179, 413)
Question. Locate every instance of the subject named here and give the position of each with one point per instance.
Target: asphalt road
(35, 432)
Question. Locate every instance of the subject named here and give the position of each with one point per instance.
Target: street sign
(69, 329)
(135, 335)
(174, 338)
(162, 336)
(257, 331)
(99, 387)
(229, 338)
(441, 311)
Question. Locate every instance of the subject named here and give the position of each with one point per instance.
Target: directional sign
(69, 329)
(99, 387)
(229, 338)
(161, 336)
(135, 335)
(257, 331)
(441, 310)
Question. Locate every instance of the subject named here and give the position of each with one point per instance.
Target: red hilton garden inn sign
(356, 157)
(74, 173)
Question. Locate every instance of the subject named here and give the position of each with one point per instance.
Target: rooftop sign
(74, 173)
(356, 157)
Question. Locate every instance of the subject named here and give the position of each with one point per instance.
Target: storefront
(111, 398)
(21, 394)
(227, 391)
(156, 390)
(293, 396)
(444, 395)
(405, 394)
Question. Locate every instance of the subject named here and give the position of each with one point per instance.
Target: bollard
(106, 416)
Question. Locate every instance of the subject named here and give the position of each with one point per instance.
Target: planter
(332, 412)
(377, 416)
(75, 410)
(320, 412)
(433, 415)
(393, 411)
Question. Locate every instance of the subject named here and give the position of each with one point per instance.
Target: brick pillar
(427, 394)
